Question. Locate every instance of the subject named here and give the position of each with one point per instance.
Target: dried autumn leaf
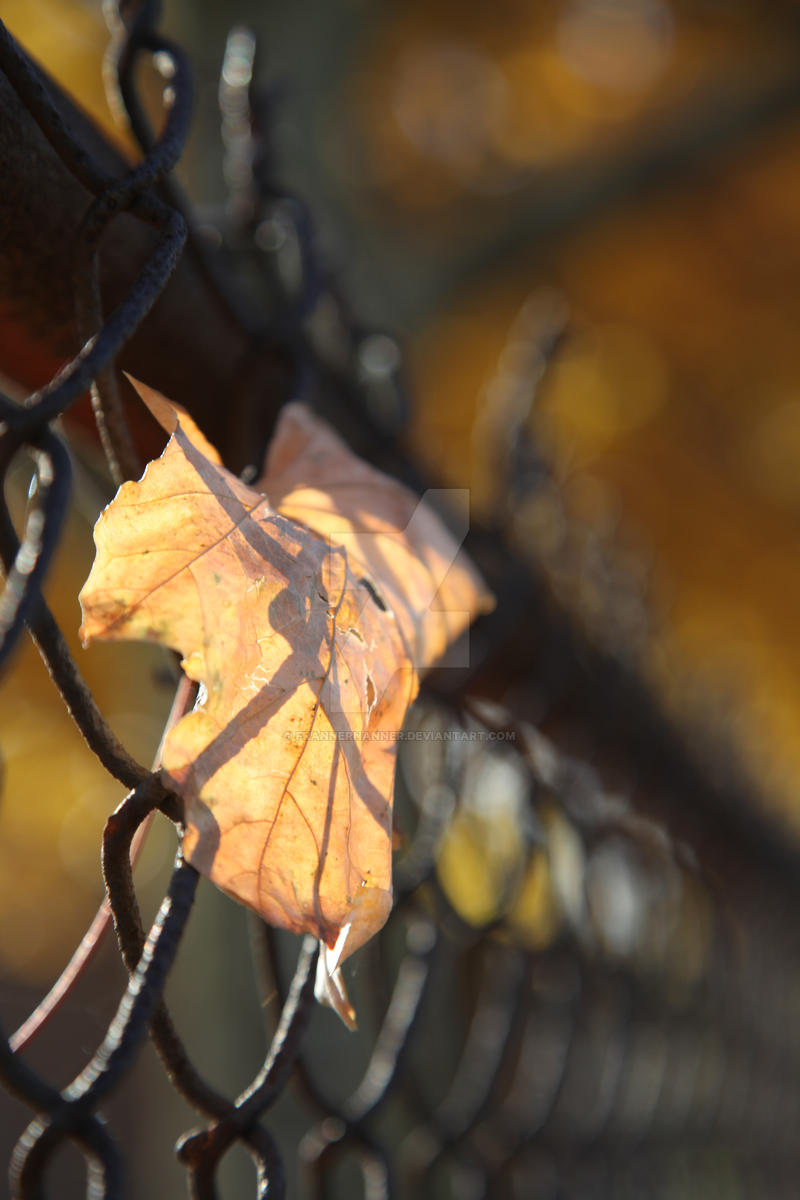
(304, 608)
(392, 540)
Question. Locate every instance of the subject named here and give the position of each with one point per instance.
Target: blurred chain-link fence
(567, 1001)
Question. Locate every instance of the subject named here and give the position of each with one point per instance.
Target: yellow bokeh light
(610, 381)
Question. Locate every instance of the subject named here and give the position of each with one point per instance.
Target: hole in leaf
(374, 593)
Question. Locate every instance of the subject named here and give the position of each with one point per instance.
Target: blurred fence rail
(568, 1001)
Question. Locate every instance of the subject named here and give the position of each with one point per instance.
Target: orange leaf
(307, 618)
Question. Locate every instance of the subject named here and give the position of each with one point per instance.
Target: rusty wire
(497, 1068)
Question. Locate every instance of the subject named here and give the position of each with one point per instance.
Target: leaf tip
(172, 417)
(164, 412)
(330, 989)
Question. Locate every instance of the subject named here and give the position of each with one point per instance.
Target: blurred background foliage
(618, 176)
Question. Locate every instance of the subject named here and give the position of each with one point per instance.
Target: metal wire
(631, 1032)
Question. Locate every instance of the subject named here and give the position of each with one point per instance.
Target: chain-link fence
(567, 1000)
